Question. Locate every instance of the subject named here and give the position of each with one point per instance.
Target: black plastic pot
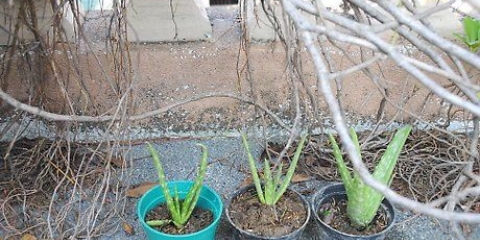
(337, 192)
(240, 234)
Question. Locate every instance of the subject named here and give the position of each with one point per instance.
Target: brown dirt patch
(199, 220)
(250, 215)
(165, 73)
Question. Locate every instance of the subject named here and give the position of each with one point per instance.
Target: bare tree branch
(367, 32)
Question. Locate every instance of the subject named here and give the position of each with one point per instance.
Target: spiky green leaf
(253, 170)
(342, 167)
(291, 169)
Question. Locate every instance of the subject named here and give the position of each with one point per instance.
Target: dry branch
(411, 28)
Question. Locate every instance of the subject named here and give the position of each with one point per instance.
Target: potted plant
(471, 36)
(180, 209)
(268, 209)
(354, 210)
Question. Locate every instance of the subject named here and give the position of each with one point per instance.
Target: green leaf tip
(158, 223)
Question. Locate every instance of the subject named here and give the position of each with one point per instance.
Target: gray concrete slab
(158, 21)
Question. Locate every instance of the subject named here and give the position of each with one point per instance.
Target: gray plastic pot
(337, 191)
(240, 234)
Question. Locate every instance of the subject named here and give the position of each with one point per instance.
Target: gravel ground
(227, 157)
(225, 173)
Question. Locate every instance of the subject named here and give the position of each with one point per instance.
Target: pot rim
(246, 188)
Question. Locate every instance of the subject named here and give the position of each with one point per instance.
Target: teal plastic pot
(208, 200)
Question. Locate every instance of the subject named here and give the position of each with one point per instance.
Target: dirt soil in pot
(286, 216)
(335, 215)
(199, 220)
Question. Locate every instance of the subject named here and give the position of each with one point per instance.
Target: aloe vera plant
(471, 37)
(180, 210)
(364, 201)
(273, 182)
